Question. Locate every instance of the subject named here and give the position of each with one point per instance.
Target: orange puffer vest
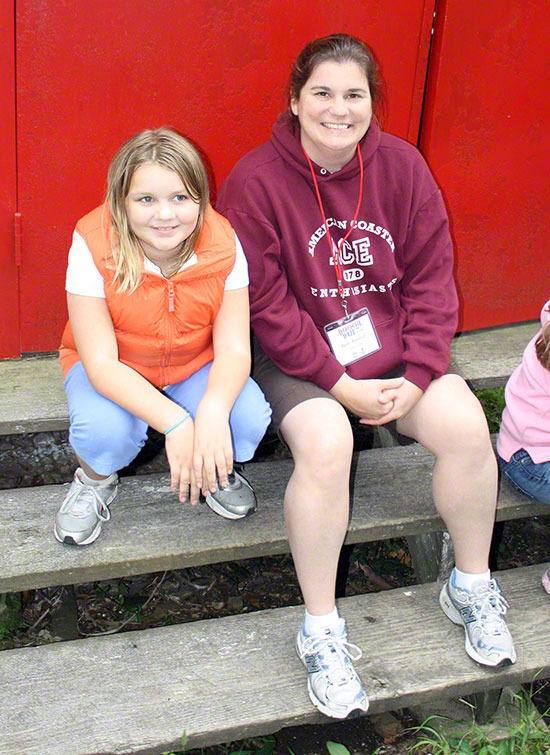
(163, 328)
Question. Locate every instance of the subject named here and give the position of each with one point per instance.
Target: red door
(89, 75)
(486, 134)
(9, 328)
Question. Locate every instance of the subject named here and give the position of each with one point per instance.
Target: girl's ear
(294, 106)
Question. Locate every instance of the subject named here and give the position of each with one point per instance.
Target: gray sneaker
(481, 612)
(85, 508)
(333, 684)
(236, 500)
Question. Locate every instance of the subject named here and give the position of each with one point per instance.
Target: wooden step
(487, 357)
(238, 676)
(151, 531)
(32, 397)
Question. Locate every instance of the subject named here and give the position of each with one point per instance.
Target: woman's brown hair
(339, 48)
(542, 345)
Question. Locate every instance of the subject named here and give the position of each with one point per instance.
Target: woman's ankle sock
(315, 624)
(466, 581)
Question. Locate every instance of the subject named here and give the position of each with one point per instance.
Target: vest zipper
(171, 308)
(171, 298)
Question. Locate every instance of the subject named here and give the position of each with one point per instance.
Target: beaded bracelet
(177, 423)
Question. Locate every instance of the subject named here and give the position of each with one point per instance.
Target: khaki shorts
(284, 392)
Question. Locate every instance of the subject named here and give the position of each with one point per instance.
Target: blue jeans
(533, 480)
(108, 437)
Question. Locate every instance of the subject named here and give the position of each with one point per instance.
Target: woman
(353, 305)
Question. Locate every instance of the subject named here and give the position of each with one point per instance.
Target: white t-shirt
(83, 277)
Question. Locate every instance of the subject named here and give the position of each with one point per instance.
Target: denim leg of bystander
(533, 480)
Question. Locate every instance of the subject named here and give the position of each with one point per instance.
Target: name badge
(353, 337)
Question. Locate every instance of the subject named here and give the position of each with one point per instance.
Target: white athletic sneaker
(480, 612)
(85, 508)
(333, 684)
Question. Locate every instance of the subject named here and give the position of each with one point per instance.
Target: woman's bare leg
(449, 421)
(319, 435)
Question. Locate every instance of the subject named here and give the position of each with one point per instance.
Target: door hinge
(17, 229)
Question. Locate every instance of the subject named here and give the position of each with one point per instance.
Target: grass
(492, 401)
(10, 615)
(525, 735)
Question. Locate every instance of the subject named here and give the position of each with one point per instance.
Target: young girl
(158, 335)
(524, 440)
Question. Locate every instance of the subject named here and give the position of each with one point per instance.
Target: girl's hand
(213, 449)
(179, 450)
(372, 400)
(402, 402)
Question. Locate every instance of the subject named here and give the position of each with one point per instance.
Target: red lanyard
(335, 251)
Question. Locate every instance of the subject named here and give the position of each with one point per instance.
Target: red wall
(91, 74)
(9, 329)
(486, 134)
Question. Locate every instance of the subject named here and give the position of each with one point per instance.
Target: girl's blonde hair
(170, 150)
(542, 345)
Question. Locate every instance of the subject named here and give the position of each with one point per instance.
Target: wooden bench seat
(151, 531)
(32, 397)
(238, 676)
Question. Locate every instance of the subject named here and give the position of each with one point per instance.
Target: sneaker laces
(233, 483)
(491, 606)
(85, 495)
(335, 654)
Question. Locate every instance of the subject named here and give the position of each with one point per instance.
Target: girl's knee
(107, 442)
(249, 419)
(102, 434)
(467, 439)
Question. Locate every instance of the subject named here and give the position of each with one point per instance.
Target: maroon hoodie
(397, 261)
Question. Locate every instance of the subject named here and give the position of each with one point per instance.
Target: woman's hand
(213, 449)
(403, 400)
(372, 400)
(179, 450)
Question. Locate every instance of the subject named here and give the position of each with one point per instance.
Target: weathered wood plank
(487, 358)
(238, 676)
(150, 531)
(32, 397)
